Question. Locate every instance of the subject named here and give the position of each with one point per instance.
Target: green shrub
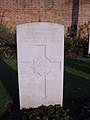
(76, 47)
(45, 113)
(7, 41)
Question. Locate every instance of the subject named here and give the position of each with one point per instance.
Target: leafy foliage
(45, 113)
(72, 31)
(7, 42)
(76, 47)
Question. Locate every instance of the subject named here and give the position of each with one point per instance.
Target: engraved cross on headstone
(42, 65)
(40, 48)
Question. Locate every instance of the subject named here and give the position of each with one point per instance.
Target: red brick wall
(58, 11)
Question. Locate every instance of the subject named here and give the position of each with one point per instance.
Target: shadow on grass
(79, 64)
(9, 78)
(76, 88)
(76, 93)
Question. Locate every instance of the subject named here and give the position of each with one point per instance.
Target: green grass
(8, 84)
(5, 99)
(76, 81)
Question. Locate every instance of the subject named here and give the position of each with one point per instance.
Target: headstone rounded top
(45, 24)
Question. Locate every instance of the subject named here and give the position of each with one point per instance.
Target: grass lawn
(8, 84)
(76, 81)
(5, 99)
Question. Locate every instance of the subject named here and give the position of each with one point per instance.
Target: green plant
(72, 31)
(76, 46)
(45, 113)
(7, 41)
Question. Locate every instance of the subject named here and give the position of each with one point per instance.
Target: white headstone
(40, 48)
(89, 45)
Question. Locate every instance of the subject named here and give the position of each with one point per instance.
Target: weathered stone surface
(40, 49)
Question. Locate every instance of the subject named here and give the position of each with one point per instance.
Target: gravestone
(40, 52)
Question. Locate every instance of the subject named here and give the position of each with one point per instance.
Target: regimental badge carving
(41, 65)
